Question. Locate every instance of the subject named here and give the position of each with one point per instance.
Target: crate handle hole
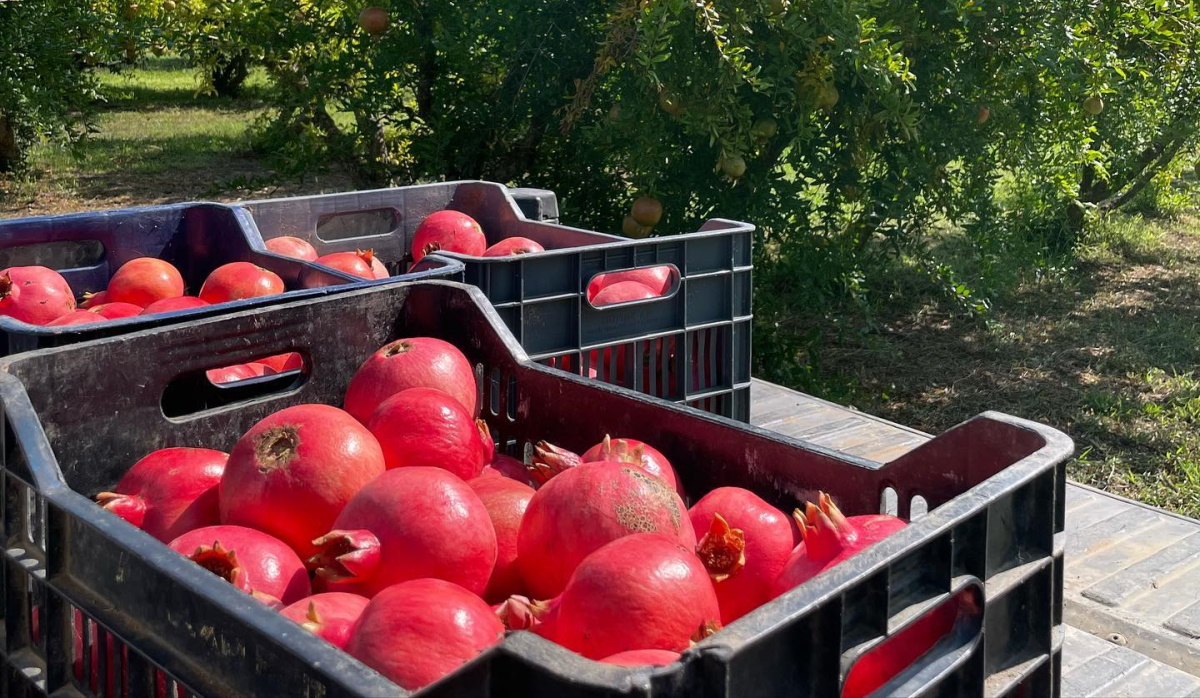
(61, 256)
(656, 283)
(377, 222)
(220, 386)
(917, 507)
(889, 502)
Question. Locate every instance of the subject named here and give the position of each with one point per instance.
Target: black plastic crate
(991, 540)
(88, 248)
(690, 346)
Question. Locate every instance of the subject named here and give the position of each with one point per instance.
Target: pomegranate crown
(825, 530)
(722, 549)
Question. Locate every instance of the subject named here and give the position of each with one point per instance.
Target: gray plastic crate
(691, 346)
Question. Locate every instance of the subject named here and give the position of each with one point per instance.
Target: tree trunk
(10, 150)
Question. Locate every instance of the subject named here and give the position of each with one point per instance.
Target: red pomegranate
(248, 559)
(509, 467)
(511, 247)
(36, 295)
(292, 473)
(746, 544)
(358, 264)
(640, 592)
(238, 280)
(91, 300)
(622, 292)
(419, 631)
(378, 268)
(409, 523)
(505, 501)
(230, 374)
(417, 362)
(169, 492)
(448, 231)
(549, 460)
(145, 280)
(577, 512)
(634, 658)
(657, 279)
(426, 427)
(330, 616)
(829, 538)
(76, 317)
(292, 361)
(115, 311)
(169, 305)
(293, 247)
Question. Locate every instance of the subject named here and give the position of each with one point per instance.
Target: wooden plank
(1180, 556)
(1108, 532)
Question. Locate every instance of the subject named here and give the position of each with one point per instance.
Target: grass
(1103, 342)
(157, 140)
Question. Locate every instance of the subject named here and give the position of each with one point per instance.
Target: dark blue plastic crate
(88, 248)
(691, 346)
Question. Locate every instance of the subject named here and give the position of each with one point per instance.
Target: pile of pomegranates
(142, 286)
(393, 529)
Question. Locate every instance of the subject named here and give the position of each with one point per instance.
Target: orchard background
(961, 205)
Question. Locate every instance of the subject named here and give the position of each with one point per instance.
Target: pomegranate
(640, 592)
(622, 292)
(354, 263)
(657, 279)
(144, 280)
(373, 20)
(170, 305)
(36, 295)
(90, 300)
(293, 247)
(505, 501)
(509, 467)
(426, 427)
(409, 523)
(886, 660)
(248, 559)
(238, 280)
(292, 473)
(577, 512)
(292, 361)
(330, 617)
(115, 311)
(169, 492)
(76, 317)
(418, 362)
(642, 658)
(378, 268)
(448, 231)
(549, 460)
(510, 247)
(829, 538)
(230, 374)
(745, 547)
(419, 631)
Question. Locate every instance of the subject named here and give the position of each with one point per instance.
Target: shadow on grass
(1109, 352)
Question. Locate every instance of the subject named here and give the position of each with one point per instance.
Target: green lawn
(1106, 347)
(157, 140)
